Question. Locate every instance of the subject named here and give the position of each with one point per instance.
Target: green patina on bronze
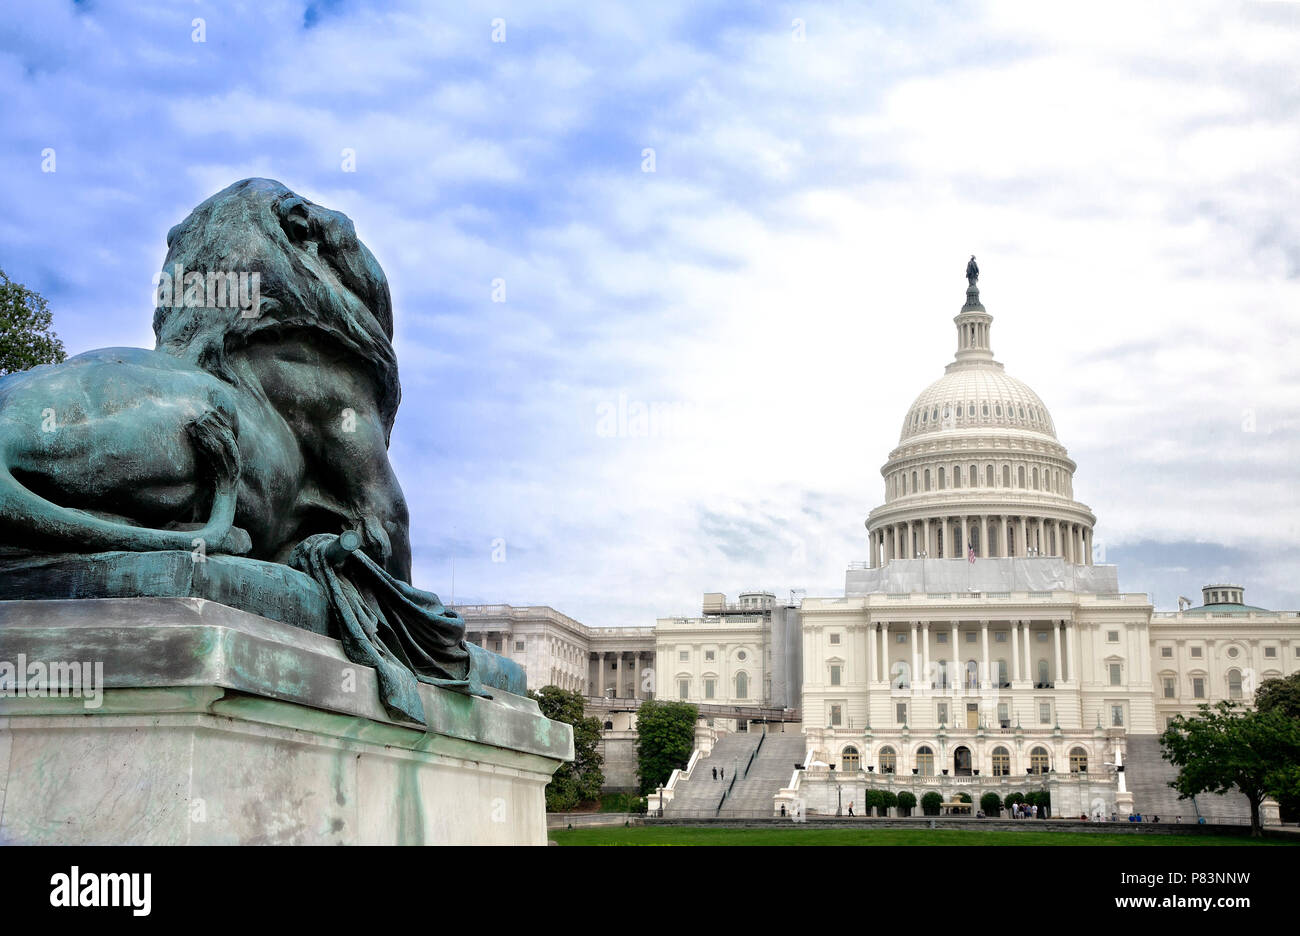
(226, 462)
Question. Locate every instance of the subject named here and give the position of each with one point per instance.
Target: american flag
(970, 552)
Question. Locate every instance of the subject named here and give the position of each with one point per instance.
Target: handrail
(754, 753)
(725, 793)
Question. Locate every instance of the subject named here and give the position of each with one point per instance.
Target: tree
(25, 336)
(931, 802)
(665, 740)
(1283, 695)
(991, 803)
(1226, 746)
(580, 781)
(1280, 695)
(888, 800)
(907, 802)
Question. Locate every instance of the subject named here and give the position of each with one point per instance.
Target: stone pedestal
(215, 726)
(1270, 812)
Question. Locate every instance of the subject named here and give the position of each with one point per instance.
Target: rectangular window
(835, 638)
(835, 716)
(1167, 652)
(1270, 652)
(708, 656)
(1117, 716)
(1198, 687)
(683, 688)
(1116, 673)
(519, 645)
(1044, 713)
(900, 713)
(1112, 636)
(835, 675)
(708, 688)
(970, 636)
(902, 638)
(1169, 687)
(496, 646)
(943, 638)
(1042, 636)
(683, 655)
(1196, 652)
(943, 713)
(1000, 637)
(1004, 715)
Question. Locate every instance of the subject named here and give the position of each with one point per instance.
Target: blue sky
(778, 290)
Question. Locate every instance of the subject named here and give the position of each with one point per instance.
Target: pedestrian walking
(715, 774)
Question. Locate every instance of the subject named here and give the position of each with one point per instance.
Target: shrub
(931, 802)
(963, 797)
(888, 799)
(906, 802)
(873, 798)
(1012, 799)
(991, 803)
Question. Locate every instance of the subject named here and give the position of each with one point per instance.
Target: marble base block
(217, 726)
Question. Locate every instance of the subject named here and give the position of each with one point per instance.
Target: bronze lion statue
(257, 431)
(247, 429)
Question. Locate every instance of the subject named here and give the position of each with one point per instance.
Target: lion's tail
(38, 521)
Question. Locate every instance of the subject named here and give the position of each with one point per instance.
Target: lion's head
(316, 278)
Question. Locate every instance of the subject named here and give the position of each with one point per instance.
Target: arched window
(925, 761)
(956, 476)
(742, 685)
(974, 476)
(1234, 684)
(849, 759)
(888, 760)
(927, 479)
(914, 487)
(972, 675)
(1020, 476)
(1078, 760)
(1042, 672)
(1001, 762)
(942, 485)
(1035, 479)
(1039, 762)
(988, 476)
(1006, 476)
(900, 675)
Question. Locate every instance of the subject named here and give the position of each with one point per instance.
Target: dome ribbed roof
(976, 396)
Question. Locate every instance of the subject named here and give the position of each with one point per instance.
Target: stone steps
(1148, 775)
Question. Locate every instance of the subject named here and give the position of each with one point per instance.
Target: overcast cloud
(777, 291)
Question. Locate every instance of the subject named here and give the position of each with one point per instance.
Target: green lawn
(785, 835)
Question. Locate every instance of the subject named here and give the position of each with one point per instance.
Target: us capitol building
(981, 640)
(980, 646)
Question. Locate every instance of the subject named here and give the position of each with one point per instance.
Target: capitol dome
(978, 467)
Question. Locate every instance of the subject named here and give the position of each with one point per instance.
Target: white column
(1069, 651)
(884, 651)
(916, 656)
(925, 652)
(984, 536)
(1056, 652)
(965, 536)
(1015, 651)
(871, 654)
(986, 679)
(1029, 656)
(956, 666)
(600, 680)
(925, 524)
